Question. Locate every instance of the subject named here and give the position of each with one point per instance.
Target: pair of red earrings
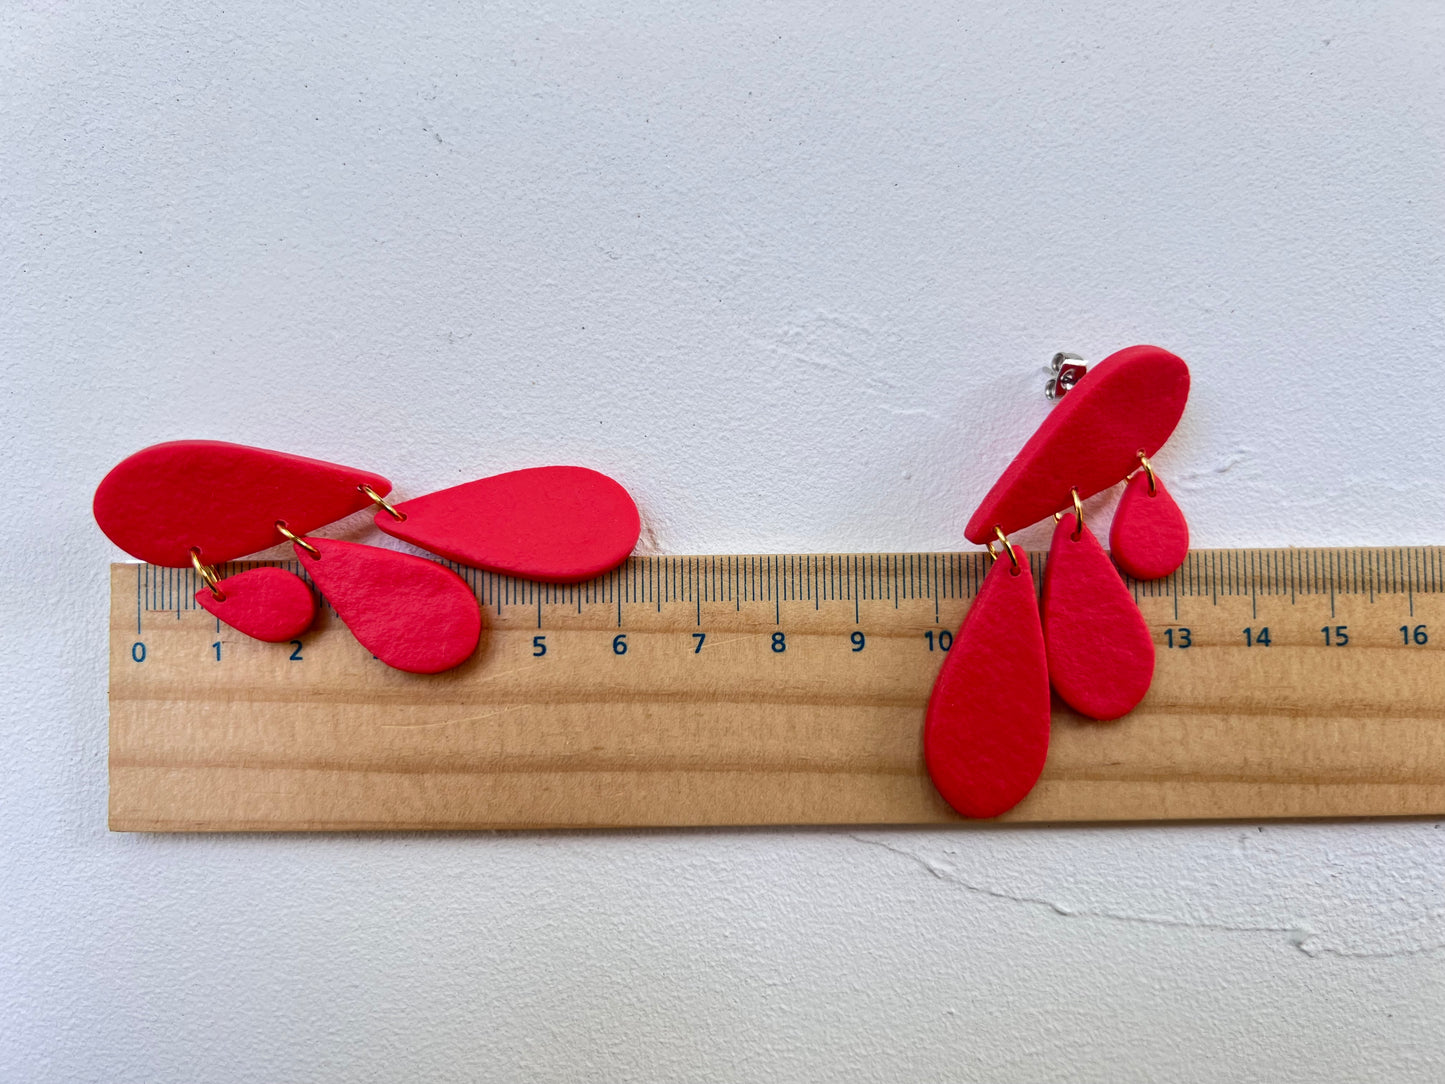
(201, 503)
(986, 734)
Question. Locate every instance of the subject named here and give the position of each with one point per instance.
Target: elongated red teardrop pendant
(222, 499)
(1101, 657)
(987, 730)
(1150, 536)
(561, 524)
(1129, 403)
(409, 612)
(267, 603)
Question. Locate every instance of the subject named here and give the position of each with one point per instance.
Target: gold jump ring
(377, 498)
(1149, 470)
(1078, 515)
(1012, 556)
(292, 536)
(208, 574)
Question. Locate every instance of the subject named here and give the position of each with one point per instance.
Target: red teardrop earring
(411, 613)
(1101, 656)
(268, 604)
(1149, 536)
(1096, 650)
(986, 733)
(560, 524)
(554, 523)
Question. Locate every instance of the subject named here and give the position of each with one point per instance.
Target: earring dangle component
(986, 733)
(411, 613)
(1100, 653)
(1149, 536)
(268, 604)
(559, 524)
(1097, 651)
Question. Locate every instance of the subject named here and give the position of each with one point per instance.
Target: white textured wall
(791, 272)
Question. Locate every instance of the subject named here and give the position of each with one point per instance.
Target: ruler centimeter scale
(787, 689)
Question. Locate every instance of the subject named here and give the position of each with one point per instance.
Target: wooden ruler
(776, 690)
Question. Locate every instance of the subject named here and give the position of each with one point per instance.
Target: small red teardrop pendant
(266, 603)
(409, 612)
(1101, 657)
(986, 734)
(1150, 536)
(221, 499)
(561, 524)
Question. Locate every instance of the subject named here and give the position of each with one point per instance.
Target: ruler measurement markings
(787, 580)
(1253, 592)
(933, 585)
(777, 595)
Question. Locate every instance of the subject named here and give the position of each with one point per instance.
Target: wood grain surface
(776, 690)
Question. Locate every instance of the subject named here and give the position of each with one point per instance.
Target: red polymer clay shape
(221, 499)
(1149, 537)
(266, 603)
(986, 734)
(1100, 653)
(560, 524)
(1127, 404)
(411, 613)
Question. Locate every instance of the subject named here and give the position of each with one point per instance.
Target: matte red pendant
(223, 499)
(1129, 403)
(987, 730)
(1149, 536)
(267, 603)
(1101, 656)
(561, 524)
(409, 612)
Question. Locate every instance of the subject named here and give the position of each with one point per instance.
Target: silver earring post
(1068, 370)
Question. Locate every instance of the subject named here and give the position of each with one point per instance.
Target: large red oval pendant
(267, 603)
(222, 499)
(986, 733)
(1149, 536)
(409, 612)
(561, 524)
(1129, 403)
(1101, 656)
